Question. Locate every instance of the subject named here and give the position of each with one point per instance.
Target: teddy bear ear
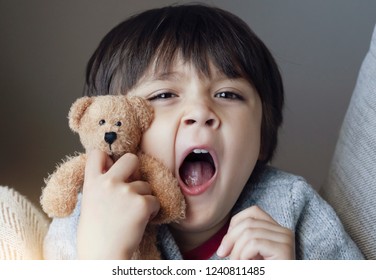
(77, 110)
(143, 110)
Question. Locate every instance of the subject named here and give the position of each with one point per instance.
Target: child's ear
(77, 110)
(143, 110)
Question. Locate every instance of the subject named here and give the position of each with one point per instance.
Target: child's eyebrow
(175, 76)
(158, 76)
(164, 76)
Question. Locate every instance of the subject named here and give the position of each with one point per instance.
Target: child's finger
(248, 231)
(261, 248)
(226, 246)
(251, 243)
(139, 187)
(249, 225)
(124, 167)
(254, 212)
(154, 206)
(253, 228)
(252, 223)
(96, 163)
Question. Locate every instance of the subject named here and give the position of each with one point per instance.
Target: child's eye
(229, 95)
(164, 95)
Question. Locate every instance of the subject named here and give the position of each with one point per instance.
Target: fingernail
(220, 250)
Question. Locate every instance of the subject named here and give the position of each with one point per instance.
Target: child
(218, 97)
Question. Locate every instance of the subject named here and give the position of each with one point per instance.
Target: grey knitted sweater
(319, 233)
(287, 198)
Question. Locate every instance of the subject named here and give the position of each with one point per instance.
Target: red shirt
(209, 247)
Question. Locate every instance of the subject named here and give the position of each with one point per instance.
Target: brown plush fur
(128, 117)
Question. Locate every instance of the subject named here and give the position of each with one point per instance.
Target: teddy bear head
(111, 123)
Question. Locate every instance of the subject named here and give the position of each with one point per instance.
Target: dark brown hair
(199, 34)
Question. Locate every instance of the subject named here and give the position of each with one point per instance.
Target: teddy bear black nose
(110, 137)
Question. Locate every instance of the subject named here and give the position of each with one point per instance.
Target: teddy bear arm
(59, 196)
(165, 187)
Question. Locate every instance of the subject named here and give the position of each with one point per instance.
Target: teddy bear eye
(119, 123)
(102, 122)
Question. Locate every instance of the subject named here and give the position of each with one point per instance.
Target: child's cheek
(159, 142)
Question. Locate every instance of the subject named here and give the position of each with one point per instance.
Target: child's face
(207, 131)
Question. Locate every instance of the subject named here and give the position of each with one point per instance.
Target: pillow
(351, 184)
(22, 227)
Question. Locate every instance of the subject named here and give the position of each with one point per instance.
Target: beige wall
(44, 47)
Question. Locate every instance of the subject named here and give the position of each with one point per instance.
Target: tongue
(196, 173)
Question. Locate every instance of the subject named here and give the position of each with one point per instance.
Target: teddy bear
(113, 124)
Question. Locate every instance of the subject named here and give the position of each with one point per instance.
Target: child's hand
(114, 210)
(253, 234)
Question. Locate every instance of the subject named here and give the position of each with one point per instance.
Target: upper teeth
(200, 151)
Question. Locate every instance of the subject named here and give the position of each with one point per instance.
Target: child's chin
(193, 222)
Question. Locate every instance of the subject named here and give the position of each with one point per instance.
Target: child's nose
(201, 115)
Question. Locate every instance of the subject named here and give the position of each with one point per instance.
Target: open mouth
(197, 168)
